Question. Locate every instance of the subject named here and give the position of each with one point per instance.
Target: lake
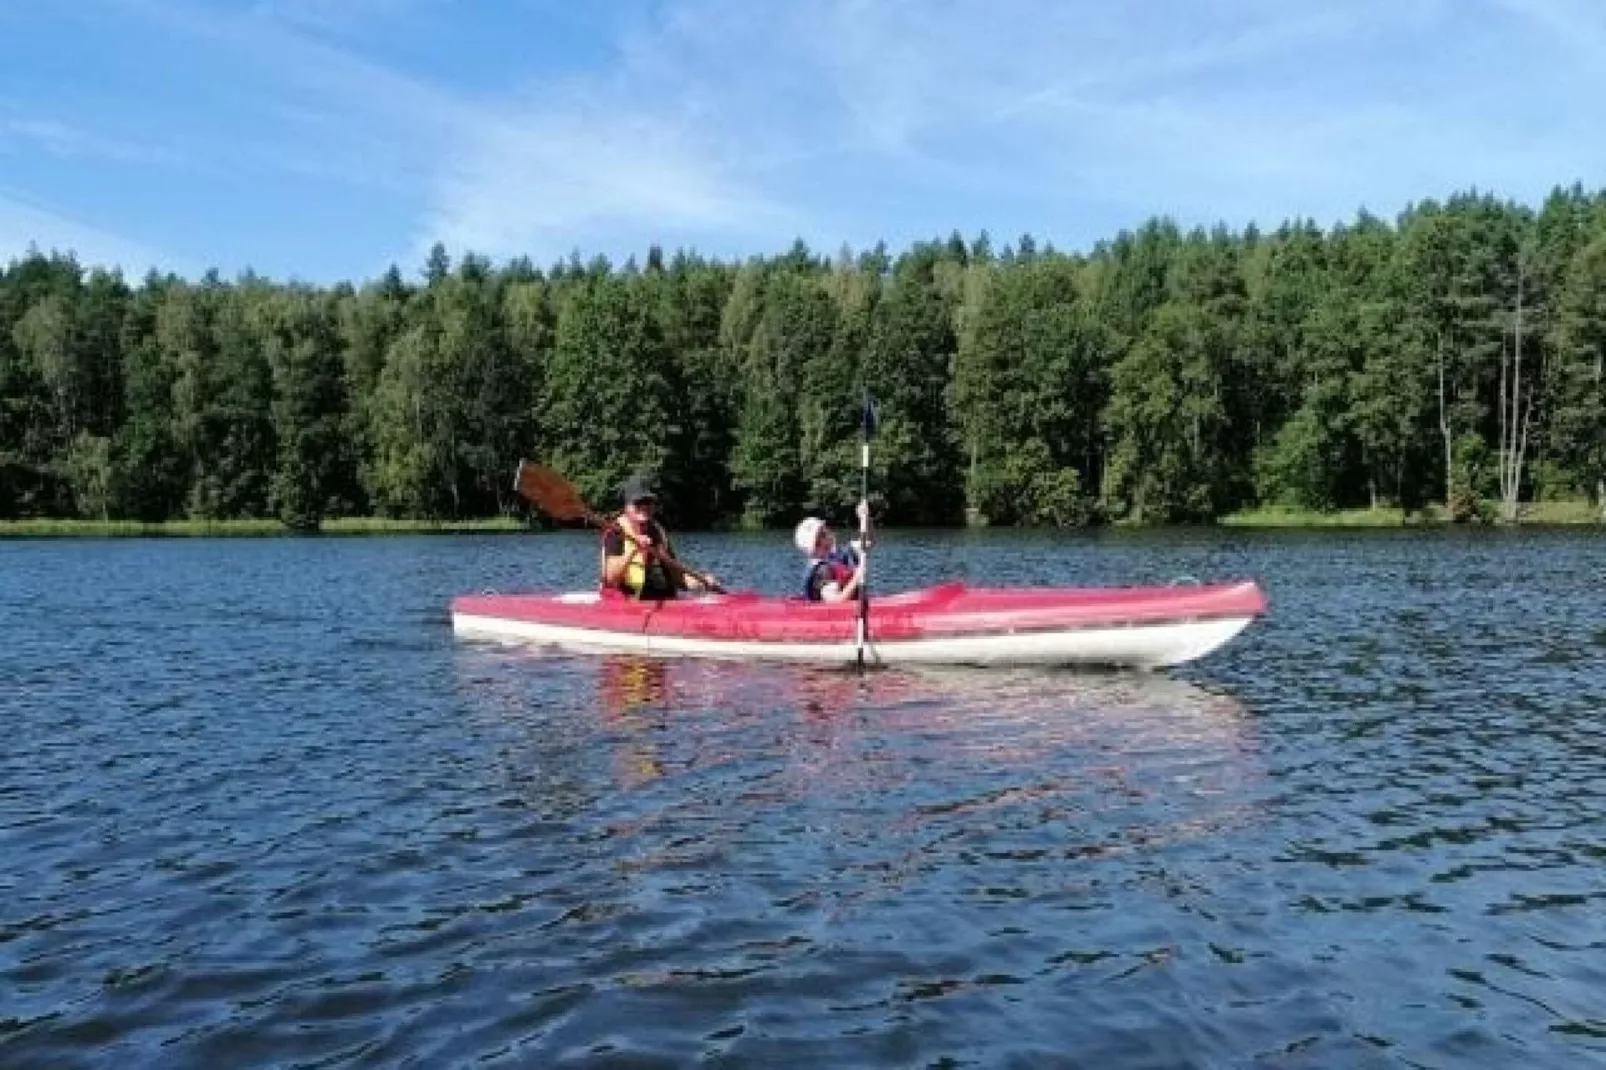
(258, 807)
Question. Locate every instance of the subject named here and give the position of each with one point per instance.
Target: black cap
(639, 487)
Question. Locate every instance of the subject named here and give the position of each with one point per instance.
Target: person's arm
(678, 576)
(616, 556)
(669, 562)
(832, 592)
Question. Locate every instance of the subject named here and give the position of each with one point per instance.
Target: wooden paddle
(555, 496)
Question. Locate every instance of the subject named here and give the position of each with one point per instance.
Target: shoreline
(262, 528)
(1535, 515)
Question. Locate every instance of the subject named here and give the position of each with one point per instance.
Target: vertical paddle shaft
(867, 425)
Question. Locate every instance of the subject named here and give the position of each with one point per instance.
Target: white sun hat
(808, 533)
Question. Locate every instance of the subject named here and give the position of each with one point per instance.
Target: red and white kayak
(1143, 627)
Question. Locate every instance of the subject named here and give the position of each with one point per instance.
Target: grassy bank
(1538, 514)
(353, 525)
(1343, 518)
(1561, 513)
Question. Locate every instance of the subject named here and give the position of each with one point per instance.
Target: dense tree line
(1454, 355)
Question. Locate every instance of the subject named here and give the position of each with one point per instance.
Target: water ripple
(260, 809)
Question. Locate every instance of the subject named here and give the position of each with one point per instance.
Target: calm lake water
(258, 807)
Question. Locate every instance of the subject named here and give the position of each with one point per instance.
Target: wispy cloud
(71, 142)
(1244, 110)
(537, 171)
(532, 181)
(735, 126)
(652, 147)
(1579, 25)
(25, 224)
(1236, 109)
(335, 17)
(323, 77)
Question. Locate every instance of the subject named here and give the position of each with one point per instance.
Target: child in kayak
(834, 573)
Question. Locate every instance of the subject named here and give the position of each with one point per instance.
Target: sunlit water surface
(258, 807)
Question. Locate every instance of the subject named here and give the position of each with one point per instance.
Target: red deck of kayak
(937, 612)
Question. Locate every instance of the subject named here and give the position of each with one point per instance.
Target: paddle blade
(550, 492)
(868, 417)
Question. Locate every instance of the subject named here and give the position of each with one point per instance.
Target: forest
(1452, 356)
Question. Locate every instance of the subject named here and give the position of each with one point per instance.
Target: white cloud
(530, 181)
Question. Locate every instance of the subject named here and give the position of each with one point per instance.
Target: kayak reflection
(1148, 759)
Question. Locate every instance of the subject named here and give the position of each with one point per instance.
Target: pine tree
(794, 333)
(313, 465)
(907, 368)
(1166, 421)
(1576, 429)
(833, 382)
(690, 298)
(147, 480)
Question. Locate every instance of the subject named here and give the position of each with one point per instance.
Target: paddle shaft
(864, 552)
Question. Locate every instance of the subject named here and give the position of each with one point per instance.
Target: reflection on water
(768, 828)
(627, 693)
(661, 715)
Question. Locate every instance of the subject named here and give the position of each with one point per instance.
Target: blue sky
(326, 139)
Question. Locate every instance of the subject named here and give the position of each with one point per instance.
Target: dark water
(257, 807)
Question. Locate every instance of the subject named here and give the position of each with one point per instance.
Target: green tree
(690, 297)
(488, 390)
(1165, 376)
(608, 405)
(148, 468)
(370, 320)
(314, 469)
(907, 367)
(795, 332)
(1028, 391)
(1460, 267)
(1312, 460)
(410, 474)
(229, 390)
(828, 412)
(1576, 428)
(1166, 421)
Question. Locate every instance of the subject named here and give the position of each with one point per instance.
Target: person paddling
(637, 556)
(834, 573)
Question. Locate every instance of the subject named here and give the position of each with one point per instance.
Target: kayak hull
(950, 625)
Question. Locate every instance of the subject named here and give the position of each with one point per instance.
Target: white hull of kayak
(1140, 645)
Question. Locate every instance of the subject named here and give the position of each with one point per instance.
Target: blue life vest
(840, 563)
